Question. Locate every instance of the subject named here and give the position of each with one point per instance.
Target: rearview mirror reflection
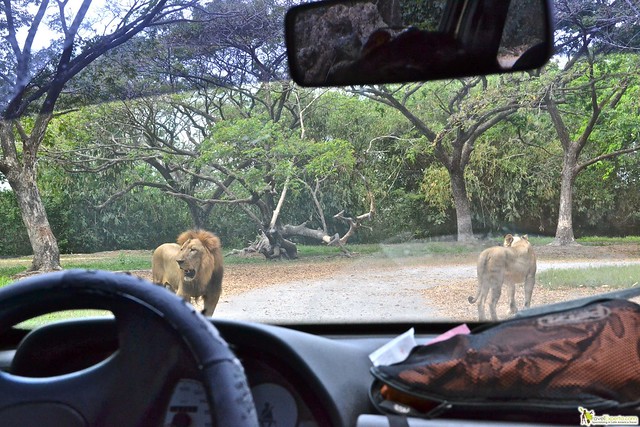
(387, 41)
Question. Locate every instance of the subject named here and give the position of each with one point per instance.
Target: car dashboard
(299, 375)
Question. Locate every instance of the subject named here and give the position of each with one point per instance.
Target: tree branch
(588, 163)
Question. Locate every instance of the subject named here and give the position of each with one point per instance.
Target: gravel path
(360, 292)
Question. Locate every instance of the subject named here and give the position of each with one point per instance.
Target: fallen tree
(275, 242)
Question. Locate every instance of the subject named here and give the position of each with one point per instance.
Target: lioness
(191, 268)
(512, 263)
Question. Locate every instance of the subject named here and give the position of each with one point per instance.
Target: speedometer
(275, 405)
(188, 406)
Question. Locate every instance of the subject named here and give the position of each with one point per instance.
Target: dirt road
(362, 292)
(374, 288)
(368, 288)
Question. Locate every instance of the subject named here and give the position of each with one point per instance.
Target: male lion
(512, 263)
(191, 268)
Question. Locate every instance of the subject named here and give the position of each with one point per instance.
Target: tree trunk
(20, 171)
(46, 255)
(564, 230)
(462, 205)
(302, 230)
(391, 13)
(280, 247)
(199, 215)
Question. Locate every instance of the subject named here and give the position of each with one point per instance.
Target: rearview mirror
(389, 41)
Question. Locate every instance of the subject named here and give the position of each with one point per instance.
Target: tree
(575, 135)
(590, 86)
(33, 78)
(205, 150)
(235, 136)
(464, 110)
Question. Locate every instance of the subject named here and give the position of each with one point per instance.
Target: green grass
(7, 271)
(61, 315)
(540, 240)
(122, 262)
(615, 277)
(602, 241)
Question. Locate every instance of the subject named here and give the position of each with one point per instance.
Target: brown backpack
(545, 365)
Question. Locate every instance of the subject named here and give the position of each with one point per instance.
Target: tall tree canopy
(33, 77)
(587, 88)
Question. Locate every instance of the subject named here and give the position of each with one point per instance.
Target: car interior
(157, 361)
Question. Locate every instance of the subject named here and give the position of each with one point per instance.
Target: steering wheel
(158, 333)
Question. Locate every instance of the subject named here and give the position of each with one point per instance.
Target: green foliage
(436, 188)
(524, 21)
(513, 175)
(606, 88)
(591, 20)
(130, 223)
(13, 235)
(422, 14)
(351, 148)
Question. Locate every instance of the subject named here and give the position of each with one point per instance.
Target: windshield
(126, 124)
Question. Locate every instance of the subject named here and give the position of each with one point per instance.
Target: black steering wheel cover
(78, 289)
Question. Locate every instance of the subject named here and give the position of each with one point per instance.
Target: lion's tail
(482, 266)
